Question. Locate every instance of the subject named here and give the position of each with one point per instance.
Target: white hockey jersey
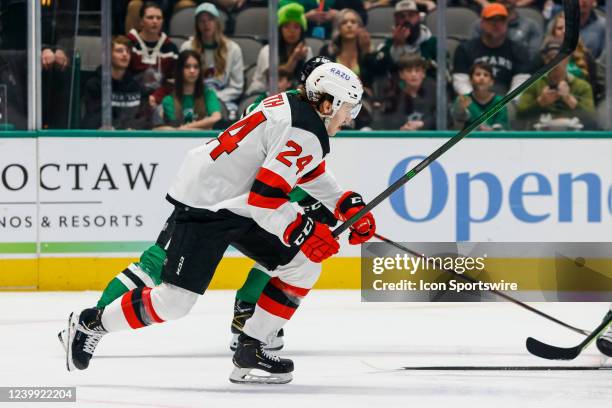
(252, 166)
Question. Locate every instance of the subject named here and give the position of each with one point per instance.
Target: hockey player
(147, 272)
(234, 190)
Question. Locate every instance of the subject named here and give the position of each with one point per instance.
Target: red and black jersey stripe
(269, 190)
(313, 174)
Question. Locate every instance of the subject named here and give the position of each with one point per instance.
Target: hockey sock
(276, 305)
(144, 306)
(147, 272)
(253, 286)
(133, 310)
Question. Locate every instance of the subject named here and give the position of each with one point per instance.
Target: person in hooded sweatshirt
(128, 109)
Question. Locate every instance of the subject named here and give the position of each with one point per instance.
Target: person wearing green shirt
(191, 106)
(470, 106)
(560, 94)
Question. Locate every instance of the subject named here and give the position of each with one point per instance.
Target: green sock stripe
(253, 286)
(114, 290)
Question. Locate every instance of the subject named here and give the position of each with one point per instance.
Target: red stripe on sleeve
(311, 175)
(273, 180)
(285, 287)
(128, 311)
(146, 300)
(273, 307)
(257, 200)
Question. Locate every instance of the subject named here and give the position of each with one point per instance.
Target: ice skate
(82, 336)
(251, 355)
(242, 312)
(604, 343)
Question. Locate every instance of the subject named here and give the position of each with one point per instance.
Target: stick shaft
(498, 293)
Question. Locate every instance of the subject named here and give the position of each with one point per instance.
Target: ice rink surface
(346, 353)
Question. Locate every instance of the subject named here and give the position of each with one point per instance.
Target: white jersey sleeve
(322, 185)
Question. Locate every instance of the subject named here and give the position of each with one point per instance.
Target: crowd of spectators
(202, 82)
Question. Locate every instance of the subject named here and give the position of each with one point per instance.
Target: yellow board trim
(62, 274)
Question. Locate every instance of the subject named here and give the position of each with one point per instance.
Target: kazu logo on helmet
(340, 73)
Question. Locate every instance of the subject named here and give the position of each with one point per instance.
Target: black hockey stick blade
(570, 41)
(550, 352)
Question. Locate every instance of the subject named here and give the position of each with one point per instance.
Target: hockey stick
(543, 350)
(572, 28)
(498, 293)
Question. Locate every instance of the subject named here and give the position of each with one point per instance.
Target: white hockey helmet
(339, 82)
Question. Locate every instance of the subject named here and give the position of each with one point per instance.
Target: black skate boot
(84, 332)
(242, 312)
(604, 343)
(251, 355)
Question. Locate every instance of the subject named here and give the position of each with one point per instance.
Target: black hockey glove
(317, 211)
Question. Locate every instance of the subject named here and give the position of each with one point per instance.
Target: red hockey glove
(365, 227)
(314, 239)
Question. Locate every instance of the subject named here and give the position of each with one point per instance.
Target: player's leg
(146, 272)
(278, 302)
(196, 248)
(244, 306)
(247, 295)
(293, 275)
(604, 343)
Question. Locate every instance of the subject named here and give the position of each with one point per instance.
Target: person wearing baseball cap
(510, 60)
(521, 29)
(408, 37)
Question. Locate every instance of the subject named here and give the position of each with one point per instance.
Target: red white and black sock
(277, 303)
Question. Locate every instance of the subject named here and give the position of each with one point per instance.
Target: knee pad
(172, 302)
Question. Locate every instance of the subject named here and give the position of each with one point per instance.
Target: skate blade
(61, 336)
(73, 322)
(244, 376)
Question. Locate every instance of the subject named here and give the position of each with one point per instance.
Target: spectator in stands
(153, 54)
(520, 29)
(191, 106)
(128, 109)
(508, 58)
(409, 36)
(350, 45)
(411, 101)
(221, 57)
(470, 106)
(168, 7)
(293, 51)
(592, 28)
(581, 64)
(560, 94)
